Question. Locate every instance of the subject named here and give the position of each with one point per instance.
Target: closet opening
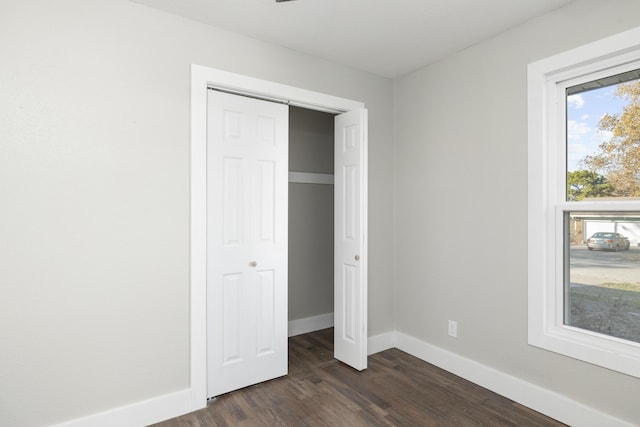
(350, 141)
(311, 221)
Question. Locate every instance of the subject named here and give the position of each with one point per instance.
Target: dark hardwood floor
(396, 390)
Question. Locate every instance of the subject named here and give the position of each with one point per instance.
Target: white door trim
(201, 79)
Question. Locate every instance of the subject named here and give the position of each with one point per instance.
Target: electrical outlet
(453, 329)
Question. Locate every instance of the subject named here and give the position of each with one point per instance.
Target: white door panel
(247, 205)
(350, 277)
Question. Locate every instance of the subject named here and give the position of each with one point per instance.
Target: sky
(584, 111)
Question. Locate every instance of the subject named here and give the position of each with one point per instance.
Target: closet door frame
(203, 78)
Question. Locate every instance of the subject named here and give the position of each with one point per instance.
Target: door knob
(253, 264)
(357, 257)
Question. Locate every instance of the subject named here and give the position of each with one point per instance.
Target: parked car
(606, 240)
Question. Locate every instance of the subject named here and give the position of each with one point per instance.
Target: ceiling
(388, 38)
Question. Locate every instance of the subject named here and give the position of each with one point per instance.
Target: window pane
(603, 138)
(602, 287)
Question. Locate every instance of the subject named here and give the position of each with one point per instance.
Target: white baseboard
(138, 414)
(310, 324)
(545, 401)
(382, 342)
(375, 344)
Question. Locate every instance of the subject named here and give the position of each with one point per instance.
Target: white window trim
(547, 79)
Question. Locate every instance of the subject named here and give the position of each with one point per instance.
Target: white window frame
(547, 81)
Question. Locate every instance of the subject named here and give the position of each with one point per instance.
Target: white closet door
(350, 282)
(247, 221)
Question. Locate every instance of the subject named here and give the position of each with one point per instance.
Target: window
(584, 203)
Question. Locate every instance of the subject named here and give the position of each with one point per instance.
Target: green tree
(619, 158)
(584, 183)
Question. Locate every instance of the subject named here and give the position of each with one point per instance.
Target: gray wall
(94, 188)
(310, 215)
(461, 158)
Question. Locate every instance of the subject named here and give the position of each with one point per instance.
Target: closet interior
(311, 218)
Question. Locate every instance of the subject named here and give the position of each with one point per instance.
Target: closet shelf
(310, 178)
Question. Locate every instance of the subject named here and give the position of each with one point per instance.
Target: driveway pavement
(597, 267)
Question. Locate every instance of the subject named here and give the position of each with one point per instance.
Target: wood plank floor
(396, 390)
